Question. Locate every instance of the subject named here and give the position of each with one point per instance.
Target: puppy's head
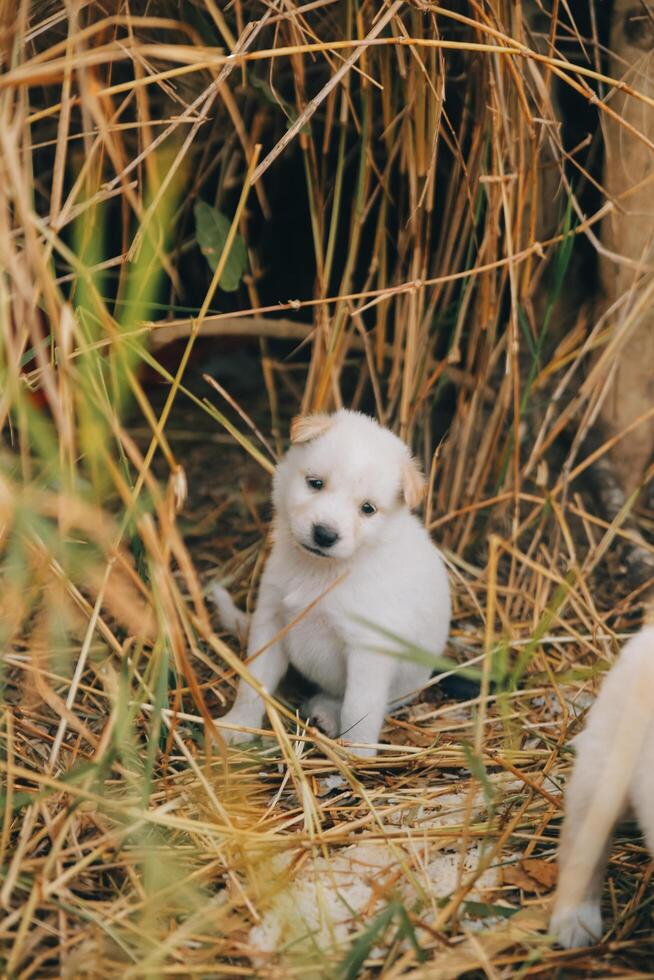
(341, 481)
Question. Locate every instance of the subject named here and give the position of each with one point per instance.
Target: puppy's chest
(313, 645)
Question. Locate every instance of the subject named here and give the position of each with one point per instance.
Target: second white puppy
(614, 770)
(343, 496)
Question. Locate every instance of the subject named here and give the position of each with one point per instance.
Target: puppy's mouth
(316, 551)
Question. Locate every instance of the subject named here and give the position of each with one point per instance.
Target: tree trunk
(627, 273)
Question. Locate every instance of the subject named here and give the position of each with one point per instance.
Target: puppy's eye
(368, 508)
(315, 483)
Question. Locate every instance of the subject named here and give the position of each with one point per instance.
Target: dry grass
(414, 221)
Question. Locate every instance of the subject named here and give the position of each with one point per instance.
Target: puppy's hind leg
(324, 712)
(235, 622)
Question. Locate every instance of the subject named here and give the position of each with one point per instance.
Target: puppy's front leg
(366, 698)
(268, 668)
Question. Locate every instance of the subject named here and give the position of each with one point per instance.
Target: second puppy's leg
(642, 791)
(606, 777)
(578, 922)
(267, 668)
(596, 799)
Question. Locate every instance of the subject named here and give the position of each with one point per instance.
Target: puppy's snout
(324, 536)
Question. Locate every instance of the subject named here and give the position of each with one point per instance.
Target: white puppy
(342, 497)
(614, 769)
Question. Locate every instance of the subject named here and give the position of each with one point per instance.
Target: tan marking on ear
(413, 484)
(307, 427)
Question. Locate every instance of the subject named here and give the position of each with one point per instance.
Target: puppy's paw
(578, 926)
(233, 736)
(323, 713)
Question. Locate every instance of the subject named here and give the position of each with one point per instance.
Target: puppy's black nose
(324, 536)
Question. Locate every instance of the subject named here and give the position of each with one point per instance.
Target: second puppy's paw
(578, 926)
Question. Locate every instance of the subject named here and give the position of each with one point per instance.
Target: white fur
(614, 769)
(394, 578)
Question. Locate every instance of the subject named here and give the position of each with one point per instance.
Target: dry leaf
(545, 872)
(531, 874)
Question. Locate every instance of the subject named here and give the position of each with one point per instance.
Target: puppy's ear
(413, 484)
(307, 427)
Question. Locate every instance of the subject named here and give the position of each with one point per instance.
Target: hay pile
(394, 219)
